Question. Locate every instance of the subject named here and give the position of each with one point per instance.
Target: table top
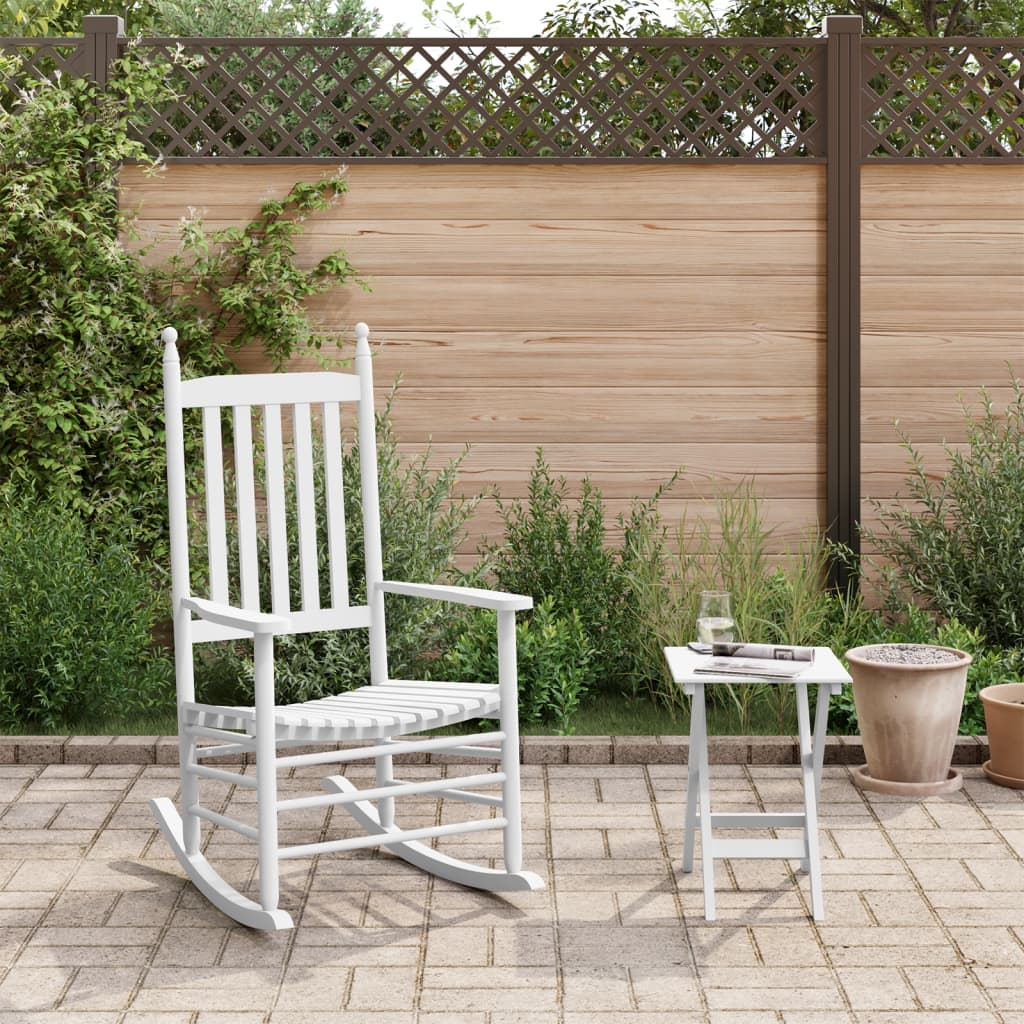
(825, 670)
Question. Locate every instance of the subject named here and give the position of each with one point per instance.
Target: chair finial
(362, 339)
(169, 336)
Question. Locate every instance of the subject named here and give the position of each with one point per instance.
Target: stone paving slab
(924, 909)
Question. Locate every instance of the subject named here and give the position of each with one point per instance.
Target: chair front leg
(266, 771)
(384, 772)
(189, 788)
(508, 690)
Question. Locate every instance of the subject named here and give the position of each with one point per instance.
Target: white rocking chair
(372, 715)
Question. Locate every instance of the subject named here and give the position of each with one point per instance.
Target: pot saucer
(1002, 780)
(863, 778)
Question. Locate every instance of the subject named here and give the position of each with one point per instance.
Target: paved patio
(924, 905)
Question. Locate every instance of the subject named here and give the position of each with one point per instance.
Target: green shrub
(552, 551)
(422, 524)
(554, 660)
(80, 362)
(75, 621)
(958, 547)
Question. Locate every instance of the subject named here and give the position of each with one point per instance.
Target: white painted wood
(392, 836)
(243, 619)
(269, 389)
(215, 818)
(378, 714)
(309, 572)
(245, 490)
(474, 596)
(394, 790)
(337, 549)
(826, 671)
(216, 522)
(810, 856)
(357, 617)
(435, 862)
(277, 528)
(225, 898)
(399, 746)
(370, 499)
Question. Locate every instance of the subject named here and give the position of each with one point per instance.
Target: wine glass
(715, 623)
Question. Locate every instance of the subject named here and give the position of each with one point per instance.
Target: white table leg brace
(698, 803)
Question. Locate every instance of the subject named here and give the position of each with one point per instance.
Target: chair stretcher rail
(389, 838)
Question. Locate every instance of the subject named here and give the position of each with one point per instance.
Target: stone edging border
(848, 750)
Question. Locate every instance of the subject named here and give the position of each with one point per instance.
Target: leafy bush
(958, 547)
(549, 550)
(75, 621)
(422, 524)
(80, 366)
(554, 660)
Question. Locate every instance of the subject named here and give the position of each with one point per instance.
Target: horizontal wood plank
(571, 359)
(962, 191)
(462, 189)
(433, 248)
(576, 302)
(933, 305)
(628, 470)
(943, 247)
(539, 416)
(964, 361)
(789, 520)
(925, 414)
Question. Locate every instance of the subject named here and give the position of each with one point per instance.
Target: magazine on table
(773, 661)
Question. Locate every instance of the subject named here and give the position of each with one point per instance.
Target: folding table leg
(810, 784)
(692, 784)
(699, 746)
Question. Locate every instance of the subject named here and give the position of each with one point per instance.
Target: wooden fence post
(101, 32)
(842, 461)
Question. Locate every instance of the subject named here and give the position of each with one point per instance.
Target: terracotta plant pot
(909, 709)
(1004, 723)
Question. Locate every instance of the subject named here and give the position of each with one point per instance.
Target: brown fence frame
(899, 100)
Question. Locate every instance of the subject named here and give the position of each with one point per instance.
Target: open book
(772, 661)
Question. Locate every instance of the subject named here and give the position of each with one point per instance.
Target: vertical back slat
(337, 551)
(306, 507)
(276, 514)
(216, 527)
(248, 565)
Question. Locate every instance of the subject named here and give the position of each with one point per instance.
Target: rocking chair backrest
(257, 400)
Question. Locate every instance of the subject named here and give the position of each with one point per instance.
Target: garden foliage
(75, 620)
(80, 360)
(957, 544)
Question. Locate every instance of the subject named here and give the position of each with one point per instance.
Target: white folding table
(828, 674)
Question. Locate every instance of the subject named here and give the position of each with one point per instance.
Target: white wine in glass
(715, 624)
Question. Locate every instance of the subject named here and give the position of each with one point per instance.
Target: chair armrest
(237, 618)
(478, 598)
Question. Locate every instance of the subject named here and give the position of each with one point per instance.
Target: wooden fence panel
(630, 318)
(943, 307)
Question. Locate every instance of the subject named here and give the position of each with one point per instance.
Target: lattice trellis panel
(43, 57)
(950, 99)
(532, 99)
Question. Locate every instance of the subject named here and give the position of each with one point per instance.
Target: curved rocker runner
(366, 723)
